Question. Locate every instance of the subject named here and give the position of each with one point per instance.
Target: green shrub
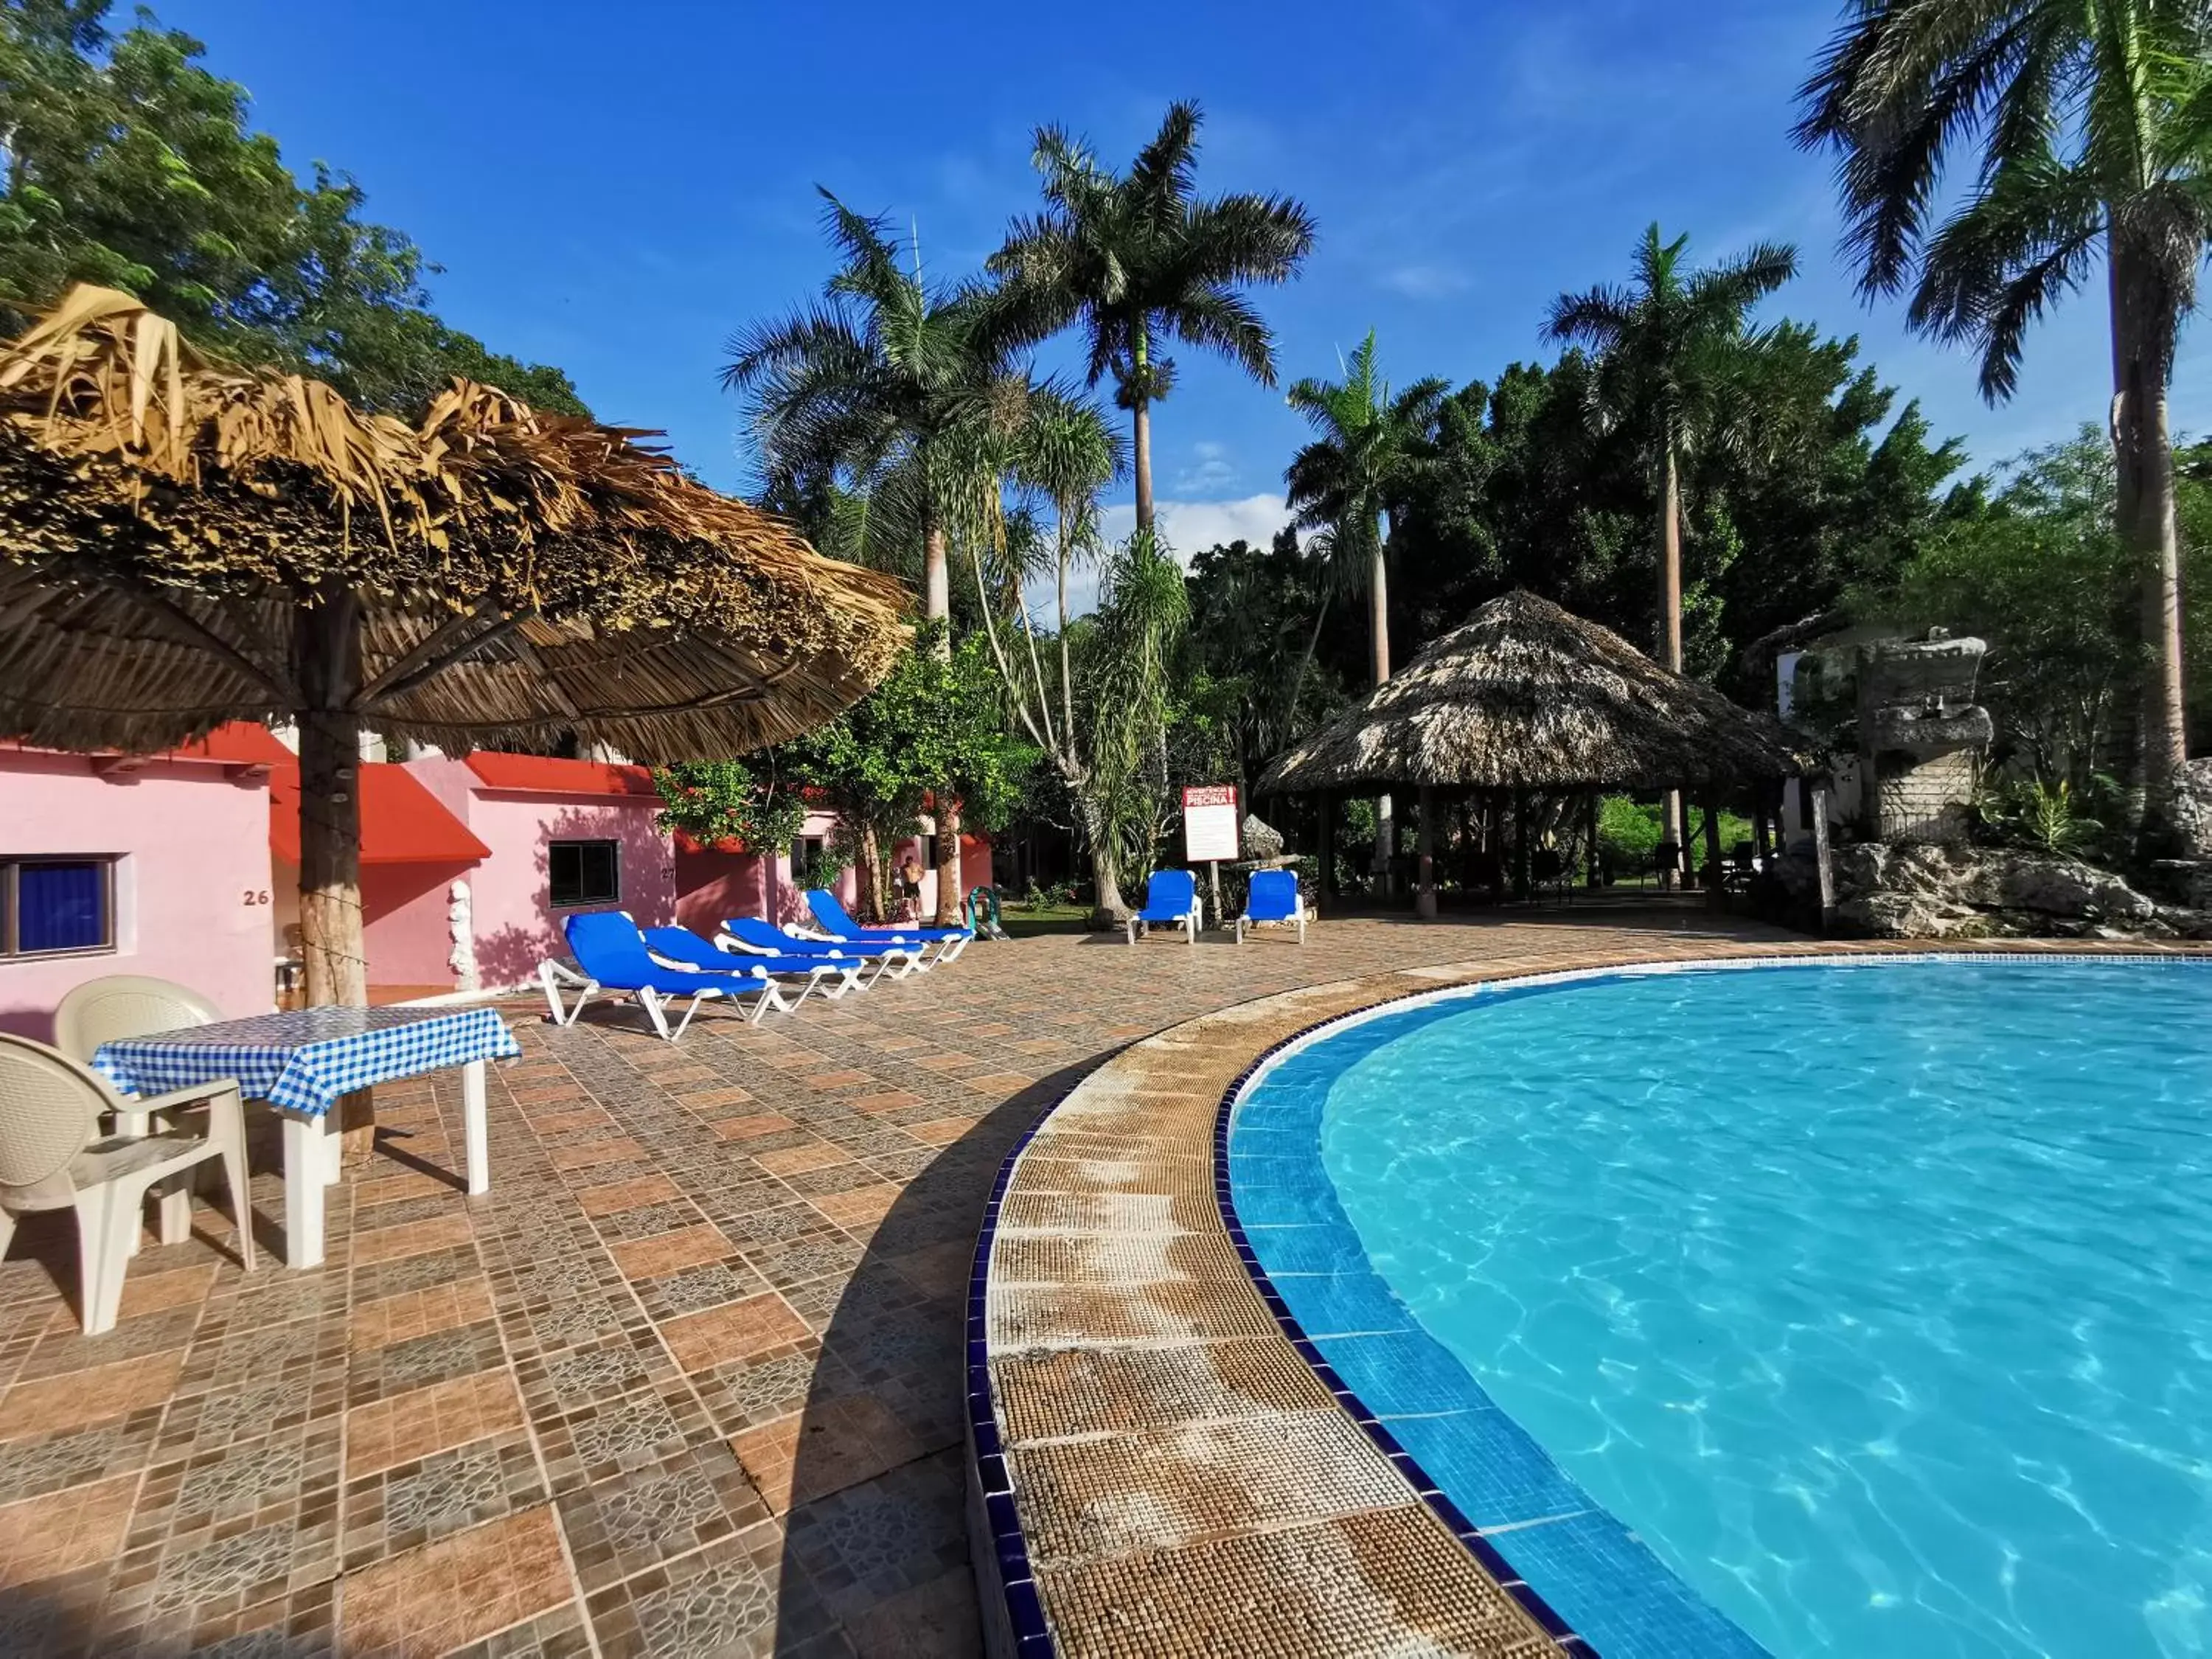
(2044, 815)
(1627, 833)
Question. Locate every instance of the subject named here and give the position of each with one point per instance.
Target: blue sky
(615, 189)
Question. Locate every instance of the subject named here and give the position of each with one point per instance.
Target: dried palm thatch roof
(165, 519)
(1525, 696)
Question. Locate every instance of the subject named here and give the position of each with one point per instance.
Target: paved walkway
(687, 1382)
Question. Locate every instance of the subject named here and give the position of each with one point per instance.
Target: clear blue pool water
(1876, 1300)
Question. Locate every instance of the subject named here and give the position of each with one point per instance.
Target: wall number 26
(254, 897)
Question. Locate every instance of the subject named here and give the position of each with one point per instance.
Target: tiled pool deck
(1168, 1463)
(687, 1381)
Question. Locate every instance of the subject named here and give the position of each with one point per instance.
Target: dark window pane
(61, 907)
(582, 873)
(564, 866)
(599, 883)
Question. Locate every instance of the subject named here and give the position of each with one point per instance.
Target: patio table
(302, 1062)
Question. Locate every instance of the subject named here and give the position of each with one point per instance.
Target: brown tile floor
(686, 1381)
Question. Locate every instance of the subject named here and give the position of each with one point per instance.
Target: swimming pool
(1873, 1300)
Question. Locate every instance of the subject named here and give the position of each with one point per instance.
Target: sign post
(1210, 824)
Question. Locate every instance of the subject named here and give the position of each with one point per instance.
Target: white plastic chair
(125, 1006)
(52, 1157)
(1272, 899)
(118, 1006)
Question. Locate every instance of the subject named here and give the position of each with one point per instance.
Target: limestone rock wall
(1917, 891)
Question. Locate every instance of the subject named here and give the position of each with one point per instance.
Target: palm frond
(1739, 284)
(1596, 318)
(1223, 320)
(1242, 238)
(1134, 258)
(1165, 171)
(2003, 260)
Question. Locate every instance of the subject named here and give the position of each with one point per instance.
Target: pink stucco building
(137, 865)
(185, 865)
(560, 836)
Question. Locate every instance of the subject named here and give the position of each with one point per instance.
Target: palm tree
(1068, 454)
(1349, 480)
(893, 388)
(1137, 259)
(1345, 483)
(2094, 123)
(1669, 348)
(881, 388)
(1062, 451)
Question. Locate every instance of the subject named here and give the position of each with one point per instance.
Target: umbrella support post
(326, 661)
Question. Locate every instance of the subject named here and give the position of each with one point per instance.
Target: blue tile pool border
(1007, 1582)
(1645, 1580)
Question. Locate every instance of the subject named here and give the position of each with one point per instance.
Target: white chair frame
(552, 975)
(1191, 923)
(109, 1206)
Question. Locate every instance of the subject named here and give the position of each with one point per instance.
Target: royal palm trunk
(1140, 425)
(1670, 625)
(936, 581)
(1141, 420)
(2143, 329)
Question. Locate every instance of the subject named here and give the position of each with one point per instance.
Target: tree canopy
(126, 162)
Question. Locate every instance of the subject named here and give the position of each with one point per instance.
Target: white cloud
(1187, 527)
(1425, 281)
(1211, 473)
(1190, 527)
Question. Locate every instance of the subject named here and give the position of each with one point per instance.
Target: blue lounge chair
(1272, 899)
(749, 936)
(612, 955)
(1170, 899)
(682, 948)
(839, 928)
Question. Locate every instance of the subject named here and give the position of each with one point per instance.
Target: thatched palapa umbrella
(1527, 696)
(183, 542)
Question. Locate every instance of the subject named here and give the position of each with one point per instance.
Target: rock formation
(1889, 890)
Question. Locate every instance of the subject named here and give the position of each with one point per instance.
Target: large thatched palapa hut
(184, 542)
(1527, 696)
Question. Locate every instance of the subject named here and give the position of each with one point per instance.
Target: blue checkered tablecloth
(305, 1059)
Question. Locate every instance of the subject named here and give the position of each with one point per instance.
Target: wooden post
(1521, 887)
(1715, 879)
(1820, 856)
(1493, 843)
(1589, 849)
(1325, 884)
(1424, 899)
(326, 665)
